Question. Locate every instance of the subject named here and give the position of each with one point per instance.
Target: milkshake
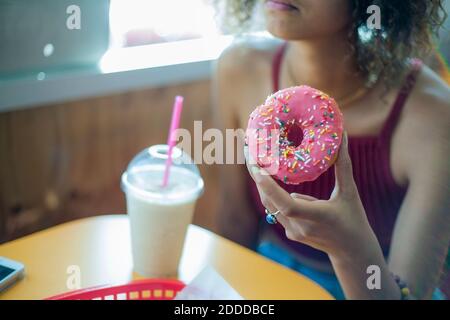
(159, 216)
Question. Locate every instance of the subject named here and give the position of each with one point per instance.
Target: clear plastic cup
(159, 216)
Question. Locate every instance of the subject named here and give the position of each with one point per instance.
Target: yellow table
(100, 246)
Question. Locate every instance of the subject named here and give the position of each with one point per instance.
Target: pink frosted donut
(295, 135)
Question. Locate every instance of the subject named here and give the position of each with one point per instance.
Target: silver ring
(271, 218)
(274, 213)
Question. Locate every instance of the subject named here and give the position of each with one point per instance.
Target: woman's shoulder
(426, 120)
(430, 100)
(423, 128)
(247, 57)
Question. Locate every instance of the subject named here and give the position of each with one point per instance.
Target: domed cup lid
(144, 176)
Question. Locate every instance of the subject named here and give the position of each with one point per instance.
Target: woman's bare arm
(422, 233)
(236, 219)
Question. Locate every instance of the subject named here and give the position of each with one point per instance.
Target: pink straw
(176, 115)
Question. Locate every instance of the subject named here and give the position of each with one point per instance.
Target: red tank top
(370, 155)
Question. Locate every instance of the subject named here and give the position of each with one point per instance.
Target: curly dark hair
(408, 29)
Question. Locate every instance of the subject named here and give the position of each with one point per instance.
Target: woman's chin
(285, 28)
(285, 34)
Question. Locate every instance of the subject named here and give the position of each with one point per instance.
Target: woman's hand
(337, 226)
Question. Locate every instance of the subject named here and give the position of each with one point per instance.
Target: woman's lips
(280, 5)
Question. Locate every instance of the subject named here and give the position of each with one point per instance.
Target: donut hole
(295, 135)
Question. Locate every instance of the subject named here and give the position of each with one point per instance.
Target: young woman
(386, 201)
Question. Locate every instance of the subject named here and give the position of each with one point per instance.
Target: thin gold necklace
(343, 101)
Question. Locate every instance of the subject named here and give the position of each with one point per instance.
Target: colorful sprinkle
(317, 120)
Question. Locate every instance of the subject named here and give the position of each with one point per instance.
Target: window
(142, 22)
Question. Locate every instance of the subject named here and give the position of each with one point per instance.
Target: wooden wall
(62, 162)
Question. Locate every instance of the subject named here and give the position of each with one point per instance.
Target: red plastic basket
(151, 289)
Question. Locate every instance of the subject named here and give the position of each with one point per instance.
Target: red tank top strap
(276, 66)
(400, 101)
